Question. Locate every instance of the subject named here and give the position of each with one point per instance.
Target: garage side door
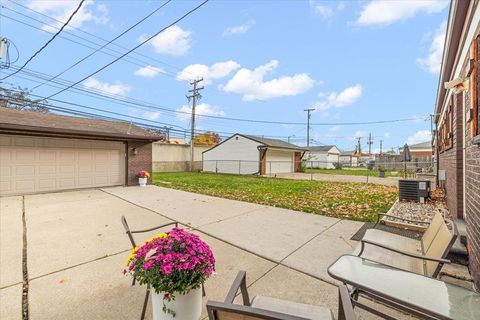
(38, 164)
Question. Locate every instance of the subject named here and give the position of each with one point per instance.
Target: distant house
(422, 149)
(349, 158)
(245, 154)
(324, 157)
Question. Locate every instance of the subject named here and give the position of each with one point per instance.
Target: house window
(445, 132)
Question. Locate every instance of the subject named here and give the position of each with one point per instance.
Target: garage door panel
(24, 141)
(45, 169)
(25, 155)
(85, 182)
(47, 184)
(38, 164)
(47, 155)
(27, 185)
(6, 187)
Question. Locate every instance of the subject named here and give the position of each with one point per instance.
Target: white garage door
(39, 164)
(279, 161)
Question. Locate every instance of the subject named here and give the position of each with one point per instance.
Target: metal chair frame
(132, 240)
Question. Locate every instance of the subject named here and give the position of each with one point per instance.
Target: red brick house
(44, 152)
(457, 116)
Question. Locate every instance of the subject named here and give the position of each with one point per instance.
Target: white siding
(280, 161)
(235, 155)
(316, 159)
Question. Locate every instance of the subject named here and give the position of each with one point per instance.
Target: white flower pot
(186, 307)
(142, 182)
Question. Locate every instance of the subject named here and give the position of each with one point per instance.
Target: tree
(208, 138)
(19, 100)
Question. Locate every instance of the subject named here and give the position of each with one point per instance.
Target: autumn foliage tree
(208, 139)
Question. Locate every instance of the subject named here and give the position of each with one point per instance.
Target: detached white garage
(246, 154)
(324, 157)
(43, 152)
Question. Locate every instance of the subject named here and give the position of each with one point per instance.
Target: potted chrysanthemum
(143, 178)
(175, 264)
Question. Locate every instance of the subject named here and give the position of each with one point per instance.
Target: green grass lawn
(351, 172)
(354, 201)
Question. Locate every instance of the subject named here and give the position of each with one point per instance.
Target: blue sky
(354, 61)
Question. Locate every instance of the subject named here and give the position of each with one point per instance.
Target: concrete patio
(76, 249)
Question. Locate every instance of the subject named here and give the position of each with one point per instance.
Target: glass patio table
(418, 295)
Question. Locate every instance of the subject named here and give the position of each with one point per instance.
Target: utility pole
(381, 144)
(308, 124)
(195, 96)
(370, 142)
(359, 145)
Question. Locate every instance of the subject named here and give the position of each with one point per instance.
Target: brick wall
(451, 161)
(472, 199)
(298, 161)
(141, 161)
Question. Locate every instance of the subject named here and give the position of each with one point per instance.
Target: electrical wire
(49, 41)
(126, 59)
(106, 44)
(155, 60)
(151, 106)
(131, 50)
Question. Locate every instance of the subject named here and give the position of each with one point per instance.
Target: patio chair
(134, 244)
(425, 257)
(267, 308)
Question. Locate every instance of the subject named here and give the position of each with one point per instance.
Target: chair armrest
(345, 306)
(399, 218)
(406, 253)
(240, 282)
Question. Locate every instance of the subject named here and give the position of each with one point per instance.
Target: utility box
(417, 190)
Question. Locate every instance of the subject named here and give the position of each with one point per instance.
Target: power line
(151, 106)
(89, 34)
(106, 44)
(49, 41)
(131, 50)
(126, 59)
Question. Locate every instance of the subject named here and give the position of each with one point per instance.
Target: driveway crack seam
(25, 314)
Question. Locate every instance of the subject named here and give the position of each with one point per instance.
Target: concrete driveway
(76, 247)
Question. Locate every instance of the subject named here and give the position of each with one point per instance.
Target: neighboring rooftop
(274, 143)
(31, 121)
(422, 145)
(348, 153)
(320, 148)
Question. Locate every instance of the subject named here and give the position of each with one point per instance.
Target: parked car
(370, 164)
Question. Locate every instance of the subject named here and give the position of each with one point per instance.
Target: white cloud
(419, 136)
(433, 61)
(322, 10)
(152, 115)
(208, 73)
(201, 109)
(174, 41)
(382, 12)
(387, 135)
(251, 85)
(148, 71)
(241, 29)
(118, 88)
(61, 10)
(347, 97)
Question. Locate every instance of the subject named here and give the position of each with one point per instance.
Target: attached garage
(246, 154)
(42, 152)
